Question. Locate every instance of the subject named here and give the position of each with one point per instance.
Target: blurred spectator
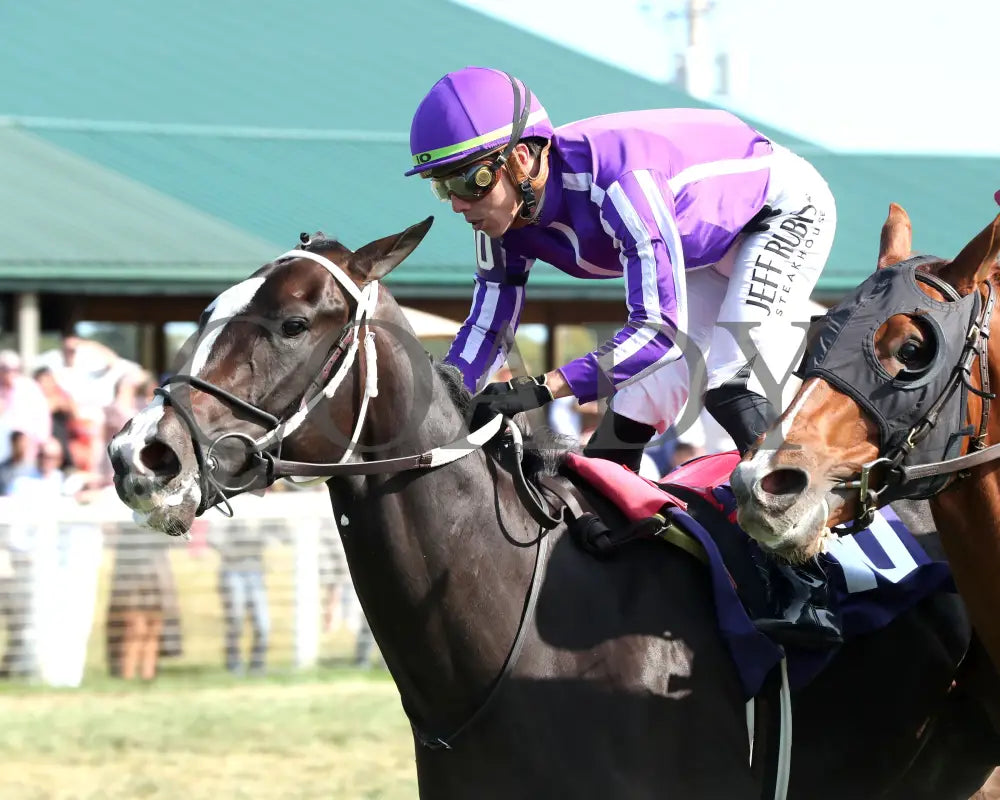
(62, 410)
(19, 463)
(47, 480)
(88, 372)
(340, 604)
(332, 571)
(684, 452)
(143, 596)
(23, 407)
(242, 589)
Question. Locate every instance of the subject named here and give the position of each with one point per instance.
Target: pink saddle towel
(705, 472)
(637, 497)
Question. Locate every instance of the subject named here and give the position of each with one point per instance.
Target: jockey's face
(494, 213)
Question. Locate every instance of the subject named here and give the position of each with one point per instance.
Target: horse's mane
(544, 449)
(994, 277)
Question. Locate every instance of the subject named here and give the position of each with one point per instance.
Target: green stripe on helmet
(470, 144)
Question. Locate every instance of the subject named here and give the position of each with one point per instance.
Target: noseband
(921, 416)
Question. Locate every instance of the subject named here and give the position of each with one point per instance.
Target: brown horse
(529, 668)
(900, 388)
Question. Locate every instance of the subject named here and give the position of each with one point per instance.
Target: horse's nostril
(161, 460)
(786, 481)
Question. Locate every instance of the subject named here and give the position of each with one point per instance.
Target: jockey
(720, 235)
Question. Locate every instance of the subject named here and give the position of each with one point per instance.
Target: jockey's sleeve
(487, 334)
(638, 211)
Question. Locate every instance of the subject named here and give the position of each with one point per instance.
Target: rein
(899, 474)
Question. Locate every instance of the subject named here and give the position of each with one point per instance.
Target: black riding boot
(744, 414)
(798, 609)
(619, 439)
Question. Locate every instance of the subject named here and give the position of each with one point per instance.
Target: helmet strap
(532, 189)
(519, 122)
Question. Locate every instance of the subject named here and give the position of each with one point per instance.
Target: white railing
(70, 572)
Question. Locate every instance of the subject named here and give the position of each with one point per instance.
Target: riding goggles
(473, 183)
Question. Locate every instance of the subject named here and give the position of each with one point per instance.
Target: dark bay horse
(618, 683)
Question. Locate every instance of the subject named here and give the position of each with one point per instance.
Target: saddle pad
(874, 575)
(637, 497)
(705, 472)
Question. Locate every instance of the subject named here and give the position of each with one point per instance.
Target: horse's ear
(977, 260)
(377, 259)
(897, 237)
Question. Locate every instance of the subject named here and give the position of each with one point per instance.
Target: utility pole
(697, 67)
(697, 10)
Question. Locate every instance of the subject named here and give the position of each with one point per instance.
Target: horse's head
(267, 351)
(891, 379)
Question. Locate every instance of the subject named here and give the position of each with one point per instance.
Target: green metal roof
(949, 200)
(71, 226)
(264, 120)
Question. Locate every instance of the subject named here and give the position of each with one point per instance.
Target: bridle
(267, 466)
(924, 480)
(263, 452)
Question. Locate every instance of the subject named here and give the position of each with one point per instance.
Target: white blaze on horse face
(141, 430)
(789, 419)
(760, 463)
(229, 304)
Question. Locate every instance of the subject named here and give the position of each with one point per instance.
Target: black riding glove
(509, 398)
(760, 222)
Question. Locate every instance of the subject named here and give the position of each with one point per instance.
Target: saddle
(648, 507)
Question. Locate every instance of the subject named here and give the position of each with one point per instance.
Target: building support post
(27, 313)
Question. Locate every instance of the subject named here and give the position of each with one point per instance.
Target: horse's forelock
(320, 243)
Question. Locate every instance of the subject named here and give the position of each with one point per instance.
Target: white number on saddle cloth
(859, 570)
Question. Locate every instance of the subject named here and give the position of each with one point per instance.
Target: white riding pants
(749, 311)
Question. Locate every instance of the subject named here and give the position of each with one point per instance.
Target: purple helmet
(469, 111)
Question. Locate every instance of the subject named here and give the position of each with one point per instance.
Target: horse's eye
(916, 356)
(912, 353)
(294, 327)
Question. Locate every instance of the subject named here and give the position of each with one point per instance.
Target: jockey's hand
(760, 220)
(509, 398)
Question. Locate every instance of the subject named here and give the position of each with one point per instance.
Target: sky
(851, 75)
